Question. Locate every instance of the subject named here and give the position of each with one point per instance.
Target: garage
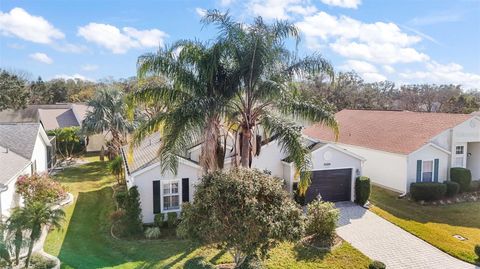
(332, 185)
(333, 173)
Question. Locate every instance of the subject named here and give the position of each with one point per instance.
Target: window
(459, 150)
(458, 162)
(427, 174)
(170, 195)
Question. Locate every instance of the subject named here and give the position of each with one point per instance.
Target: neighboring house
(334, 171)
(55, 116)
(403, 147)
(23, 151)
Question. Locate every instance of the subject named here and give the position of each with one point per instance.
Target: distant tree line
(348, 90)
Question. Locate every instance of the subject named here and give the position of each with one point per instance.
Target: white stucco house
(401, 147)
(23, 151)
(333, 173)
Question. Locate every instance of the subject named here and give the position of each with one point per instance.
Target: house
(402, 147)
(23, 151)
(333, 173)
(55, 116)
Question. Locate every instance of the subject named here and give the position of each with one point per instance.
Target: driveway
(386, 242)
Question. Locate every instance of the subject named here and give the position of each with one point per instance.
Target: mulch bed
(460, 198)
(322, 244)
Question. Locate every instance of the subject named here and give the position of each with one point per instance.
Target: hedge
(475, 185)
(362, 190)
(427, 191)
(452, 188)
(462, 176)
(377, 265)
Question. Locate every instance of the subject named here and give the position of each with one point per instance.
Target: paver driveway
(386, 242)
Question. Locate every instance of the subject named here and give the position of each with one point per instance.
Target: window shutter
(435, 170)
(156, 196)
(185, 190)
(419, 170)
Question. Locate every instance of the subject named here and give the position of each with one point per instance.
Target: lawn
(85, 241)
(434, 224)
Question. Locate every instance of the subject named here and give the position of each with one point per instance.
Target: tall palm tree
(35, 216)
(108, 115)
(195, 97)
(266, 95)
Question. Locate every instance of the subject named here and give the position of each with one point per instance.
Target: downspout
(3, 188)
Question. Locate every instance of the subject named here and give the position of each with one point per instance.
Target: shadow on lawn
(92, 171)
(459, 214)
(306, 253)
(88, 244)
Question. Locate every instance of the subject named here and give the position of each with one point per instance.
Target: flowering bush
(40, 188)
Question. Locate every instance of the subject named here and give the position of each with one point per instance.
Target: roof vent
(6, 150)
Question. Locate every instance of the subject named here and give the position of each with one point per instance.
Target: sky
(408, 41)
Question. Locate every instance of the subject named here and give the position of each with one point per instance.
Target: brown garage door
(332, 185)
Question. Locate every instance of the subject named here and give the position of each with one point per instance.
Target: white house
(23, 151)
(401, 147)
(333, 175)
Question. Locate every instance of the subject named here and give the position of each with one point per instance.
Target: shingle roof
(19, 138)
(392, 131)
(10, 164)
(57, 118)
(144, 155)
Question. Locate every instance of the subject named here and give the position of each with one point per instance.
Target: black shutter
(156, 196)
(185, 190)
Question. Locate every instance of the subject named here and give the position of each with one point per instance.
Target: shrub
(477, 250)
(152, 233)
(462, 176)
(427, 191)
(120, 197)
(158, 220)
(40, 262)
(133, 214)
(377, 265)
(259, 211)
(117, 215)
(362, 190)
(452, 188)
(198, 263)
(322, 218)
(475, 185)
(172, 219)
(39, 188)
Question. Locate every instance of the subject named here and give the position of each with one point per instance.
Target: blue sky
(409, 41)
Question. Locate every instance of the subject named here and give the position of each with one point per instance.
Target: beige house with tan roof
(402, 147)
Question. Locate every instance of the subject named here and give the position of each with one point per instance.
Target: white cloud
(89, 67)
(343, 3)
(41, 57)
(21, 24)
(226, 2)
(377, 42)
(389, 69)
(120, 41)
(366, 70)
(280, 9)
(200, 11)
(74, 76)
(443, 74)
(436, 19)
(69, 47)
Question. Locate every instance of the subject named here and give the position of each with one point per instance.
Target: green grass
(85, 240)
(434, 224)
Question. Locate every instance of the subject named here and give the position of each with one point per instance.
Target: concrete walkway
(386, 242)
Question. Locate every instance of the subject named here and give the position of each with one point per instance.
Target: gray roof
(11, 164)
(145, 154)
(57, 118)
(19, 138)
(51, 116)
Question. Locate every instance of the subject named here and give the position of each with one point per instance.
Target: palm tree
(108, 116)
(116, 168)
(15, 226)
(194, 100)
(266, 95)
(35, 216)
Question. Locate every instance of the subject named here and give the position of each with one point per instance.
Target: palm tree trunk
(245, 149)
(209, 159)
(29, 254)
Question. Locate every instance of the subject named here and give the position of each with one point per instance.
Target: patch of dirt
(321, 243)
